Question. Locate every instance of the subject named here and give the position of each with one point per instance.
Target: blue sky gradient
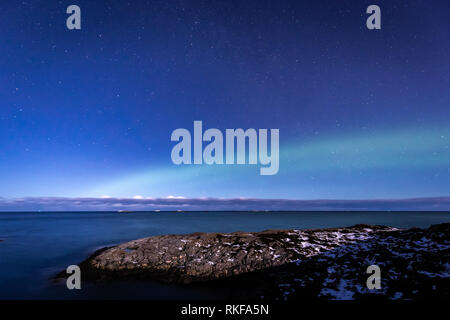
(89, 113)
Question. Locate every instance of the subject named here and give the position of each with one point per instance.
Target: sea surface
(38, 245)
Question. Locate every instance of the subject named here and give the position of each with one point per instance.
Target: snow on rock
(290, 264)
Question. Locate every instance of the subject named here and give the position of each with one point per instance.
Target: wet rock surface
(289, 264)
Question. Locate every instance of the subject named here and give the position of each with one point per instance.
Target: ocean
(36, 246)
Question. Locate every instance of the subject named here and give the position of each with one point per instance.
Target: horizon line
(169, 204)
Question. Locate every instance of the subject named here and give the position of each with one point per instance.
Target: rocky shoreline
(288, 264)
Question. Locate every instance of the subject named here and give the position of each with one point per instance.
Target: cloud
(219, 204)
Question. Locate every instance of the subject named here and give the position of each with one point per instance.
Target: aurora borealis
(362, 114)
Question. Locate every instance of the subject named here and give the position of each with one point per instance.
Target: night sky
(363, 114)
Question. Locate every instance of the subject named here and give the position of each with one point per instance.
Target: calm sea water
(38, 245)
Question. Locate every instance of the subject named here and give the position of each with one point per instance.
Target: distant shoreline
(80, 204)
(234, 211)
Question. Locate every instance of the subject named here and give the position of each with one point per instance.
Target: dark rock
(414, 264)
(289, 264)
(208, 256)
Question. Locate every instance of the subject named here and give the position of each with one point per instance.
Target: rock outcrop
(208, 256)
(287, 264)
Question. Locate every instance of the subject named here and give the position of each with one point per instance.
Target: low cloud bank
(216, 204)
